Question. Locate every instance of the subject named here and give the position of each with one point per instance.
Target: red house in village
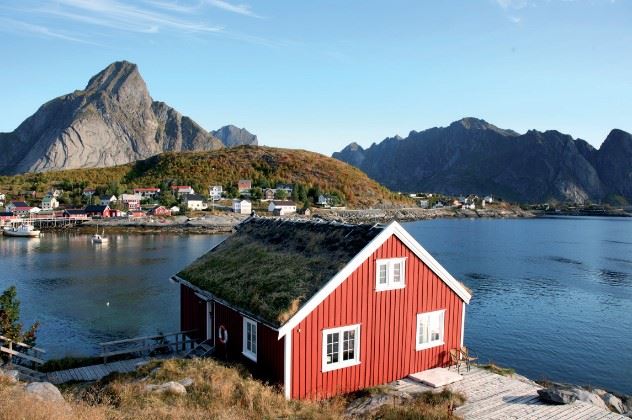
(324, 308)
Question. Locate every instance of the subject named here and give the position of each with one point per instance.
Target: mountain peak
(114, 77)
(471, 123)
(233, 136)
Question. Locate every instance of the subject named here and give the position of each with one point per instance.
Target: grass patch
(428, 405)
(503, 371)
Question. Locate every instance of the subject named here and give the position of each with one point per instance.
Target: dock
(492, 396)
(95, 372)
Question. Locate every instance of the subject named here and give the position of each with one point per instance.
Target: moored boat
(25, 230)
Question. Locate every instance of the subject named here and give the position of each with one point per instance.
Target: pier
(49, 222)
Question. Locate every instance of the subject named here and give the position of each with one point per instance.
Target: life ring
(222, 334)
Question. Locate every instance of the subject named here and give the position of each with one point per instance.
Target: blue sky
(320, 74)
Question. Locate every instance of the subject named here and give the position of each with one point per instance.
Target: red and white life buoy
(222, 334)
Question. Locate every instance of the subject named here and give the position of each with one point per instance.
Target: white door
(210, 322)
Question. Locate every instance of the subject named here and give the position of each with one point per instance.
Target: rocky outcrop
(112, 121)
(233, 136)
(473, 156)
(44, 391)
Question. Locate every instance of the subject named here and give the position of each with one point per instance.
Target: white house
(180, 190)
(148, 192)
(109, 201)
(194, 202)
(424, 204)
(50, 203)
(3, 197)
(488, 199)
(175, 210)
(242, 206)
(215, 192)
(282, 207)
(324, 201)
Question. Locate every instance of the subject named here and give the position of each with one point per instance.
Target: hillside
(473, 156)
(112, 121)
(222, 167)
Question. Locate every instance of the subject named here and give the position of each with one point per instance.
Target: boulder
(589, 397)
(556, 396)
(11, 375)
(614, 403)
(44, 391)
(186, 382)
(171, 388)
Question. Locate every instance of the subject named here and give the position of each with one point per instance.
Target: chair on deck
(455, 359)
(468, 356)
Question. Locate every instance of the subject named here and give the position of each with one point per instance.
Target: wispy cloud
(512, 4)
(242, 9)
(17, 26)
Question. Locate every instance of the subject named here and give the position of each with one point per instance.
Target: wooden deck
(94, 372)
(491, 396)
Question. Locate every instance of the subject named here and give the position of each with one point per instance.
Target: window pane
(422, 330)
(332, 348)
(383, 268)
(397, 267)
(348, 345)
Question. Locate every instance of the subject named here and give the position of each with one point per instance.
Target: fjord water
(552, 296)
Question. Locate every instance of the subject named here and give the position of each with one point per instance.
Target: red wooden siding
(269, 364)
(192, 313)
(387, 331)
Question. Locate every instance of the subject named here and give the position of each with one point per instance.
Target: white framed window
(390, 274)
(341, 347)
(250, 339)
(430, 328)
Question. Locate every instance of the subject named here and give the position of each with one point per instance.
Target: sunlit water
(552, 297)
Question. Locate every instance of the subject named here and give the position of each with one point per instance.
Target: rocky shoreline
(225, 222)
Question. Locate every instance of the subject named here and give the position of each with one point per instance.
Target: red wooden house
(324, 308)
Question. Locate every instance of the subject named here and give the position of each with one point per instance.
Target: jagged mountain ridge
(233, 136)
(112, 121)
(473, 156)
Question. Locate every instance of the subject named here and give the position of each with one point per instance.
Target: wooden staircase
(21, 354)
(203, 349)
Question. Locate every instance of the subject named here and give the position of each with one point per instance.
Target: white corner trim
(393, 228)
(287, 367)
(462, 324)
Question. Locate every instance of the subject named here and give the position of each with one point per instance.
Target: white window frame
(390, 269)
(245, 351)
(356, 349)
(435, 343)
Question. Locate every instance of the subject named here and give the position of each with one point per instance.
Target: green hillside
(266, 166)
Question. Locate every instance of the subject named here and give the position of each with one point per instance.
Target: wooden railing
(21, 350)
(172, 342)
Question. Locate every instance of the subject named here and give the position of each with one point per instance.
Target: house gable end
(415, 247)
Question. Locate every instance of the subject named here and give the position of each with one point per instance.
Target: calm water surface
(552, 297)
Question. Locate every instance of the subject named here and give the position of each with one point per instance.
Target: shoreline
(225, 222)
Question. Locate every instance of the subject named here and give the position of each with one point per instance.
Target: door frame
(210, 321)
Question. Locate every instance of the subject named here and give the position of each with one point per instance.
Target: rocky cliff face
(233, 136)
(473, 156)
(112, 121)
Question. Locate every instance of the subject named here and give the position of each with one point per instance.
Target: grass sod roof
(271, 267)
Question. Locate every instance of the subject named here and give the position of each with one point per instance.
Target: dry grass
(426, 406)
(498, 370)
(218, 392)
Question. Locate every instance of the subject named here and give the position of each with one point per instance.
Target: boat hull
(31, 234)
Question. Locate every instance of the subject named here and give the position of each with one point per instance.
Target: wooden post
(10, 355)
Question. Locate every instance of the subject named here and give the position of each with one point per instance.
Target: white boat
(25, 230)
(98, 238)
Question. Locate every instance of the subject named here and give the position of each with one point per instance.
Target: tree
(256, 193)
(10, 325)
(281, 194)
(167, 198)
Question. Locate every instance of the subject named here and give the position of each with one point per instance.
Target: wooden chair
(455, 359)
(468, 356)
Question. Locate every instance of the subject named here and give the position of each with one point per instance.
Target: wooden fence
(157, 344)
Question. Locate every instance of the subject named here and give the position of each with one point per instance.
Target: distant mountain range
(112, 121)
(473, 156)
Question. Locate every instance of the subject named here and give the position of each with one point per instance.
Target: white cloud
(512, 4)
(241, 9)
(12, 25)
